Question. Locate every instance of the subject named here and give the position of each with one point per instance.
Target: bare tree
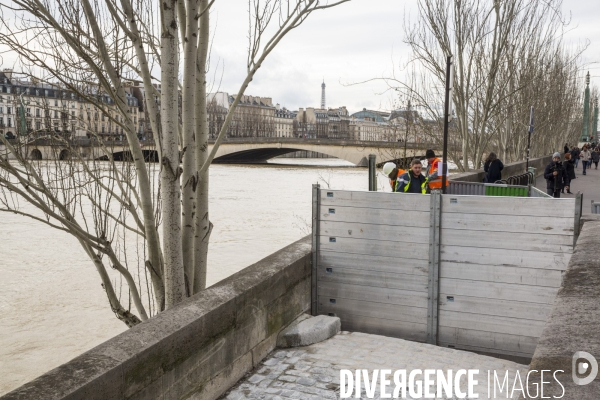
(507, 55)
(92, 49)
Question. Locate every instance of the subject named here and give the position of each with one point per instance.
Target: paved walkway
(588, 184)
(313, 372)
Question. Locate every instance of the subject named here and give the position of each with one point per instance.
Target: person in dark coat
(575, 155)
(566, 148)
(556, 176)
(595, 157)
(569, 165)
(493, 168)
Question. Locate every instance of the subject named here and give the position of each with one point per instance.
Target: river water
(52, 307)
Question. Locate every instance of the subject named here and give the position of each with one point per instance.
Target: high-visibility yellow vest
(423, 185)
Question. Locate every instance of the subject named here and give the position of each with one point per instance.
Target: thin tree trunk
(190, 43)
(202, 224)
(170, 193)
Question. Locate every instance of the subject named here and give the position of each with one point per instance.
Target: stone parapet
(197, 349)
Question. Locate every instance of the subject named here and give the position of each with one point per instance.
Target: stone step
(308, 331)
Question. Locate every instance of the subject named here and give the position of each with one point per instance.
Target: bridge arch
(249, 150)
(35, 154)
(65, 154)
(255, 155)
(125, 155)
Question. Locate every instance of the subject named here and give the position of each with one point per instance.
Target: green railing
(506, 190)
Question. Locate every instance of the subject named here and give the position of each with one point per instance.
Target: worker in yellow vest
(433, 173)
(392, 172)
(412, 181)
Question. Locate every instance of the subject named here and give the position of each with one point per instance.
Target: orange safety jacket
(434, 168)
(394, 182)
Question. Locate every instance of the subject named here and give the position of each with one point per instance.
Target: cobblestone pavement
(313, 372)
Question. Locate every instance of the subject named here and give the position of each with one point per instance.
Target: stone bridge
(241, 150)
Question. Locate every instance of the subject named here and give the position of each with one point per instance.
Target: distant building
(323, 124)
(395, 126)
(51, 109)
(253, 117)
(284, 122)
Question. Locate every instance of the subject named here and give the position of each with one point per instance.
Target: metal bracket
(433, 284)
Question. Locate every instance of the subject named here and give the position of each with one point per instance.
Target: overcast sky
(354, 42)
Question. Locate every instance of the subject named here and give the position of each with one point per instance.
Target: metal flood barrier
(535, 192)
(487, 189)
(472, 272)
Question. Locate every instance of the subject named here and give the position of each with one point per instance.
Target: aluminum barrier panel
(472, 272)
(535, 192)
(501, 266)
(373, 261)
(487, 189)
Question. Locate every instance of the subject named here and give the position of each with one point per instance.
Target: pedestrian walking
(412, 181)
(575, 155)
(596, 157)
(566, 148)
(585, 157)
(493, 168)
(570, 168)
(556, 176)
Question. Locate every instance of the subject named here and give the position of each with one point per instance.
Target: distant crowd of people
(414, 180)
(560, 175)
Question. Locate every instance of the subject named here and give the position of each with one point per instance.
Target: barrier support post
(433, 282)
(316, 196)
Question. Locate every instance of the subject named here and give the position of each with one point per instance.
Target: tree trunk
(202, 224)
(188, 176)
(170, 171)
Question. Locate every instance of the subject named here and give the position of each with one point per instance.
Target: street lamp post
(448, 99)
(530, 131)
(595, 121)
(586, 111)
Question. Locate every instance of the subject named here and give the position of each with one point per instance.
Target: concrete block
(309, 331)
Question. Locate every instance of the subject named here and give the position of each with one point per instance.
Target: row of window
(130, 101)
(62, 114)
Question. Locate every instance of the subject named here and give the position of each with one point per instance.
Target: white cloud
(357, 41)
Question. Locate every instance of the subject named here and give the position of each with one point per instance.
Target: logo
(581, 367)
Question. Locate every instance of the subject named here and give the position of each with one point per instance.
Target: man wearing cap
(393, 173)
(556, 176)
(433, 168)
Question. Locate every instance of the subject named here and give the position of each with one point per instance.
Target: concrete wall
(195, 350)
(515, 168)
(574, 323)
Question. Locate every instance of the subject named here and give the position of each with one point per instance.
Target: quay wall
(574, 323)
(199, 348)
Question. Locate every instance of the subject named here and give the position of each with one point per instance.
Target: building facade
(397, 126)
(33, 109)
(253, 117)
(316, 123)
